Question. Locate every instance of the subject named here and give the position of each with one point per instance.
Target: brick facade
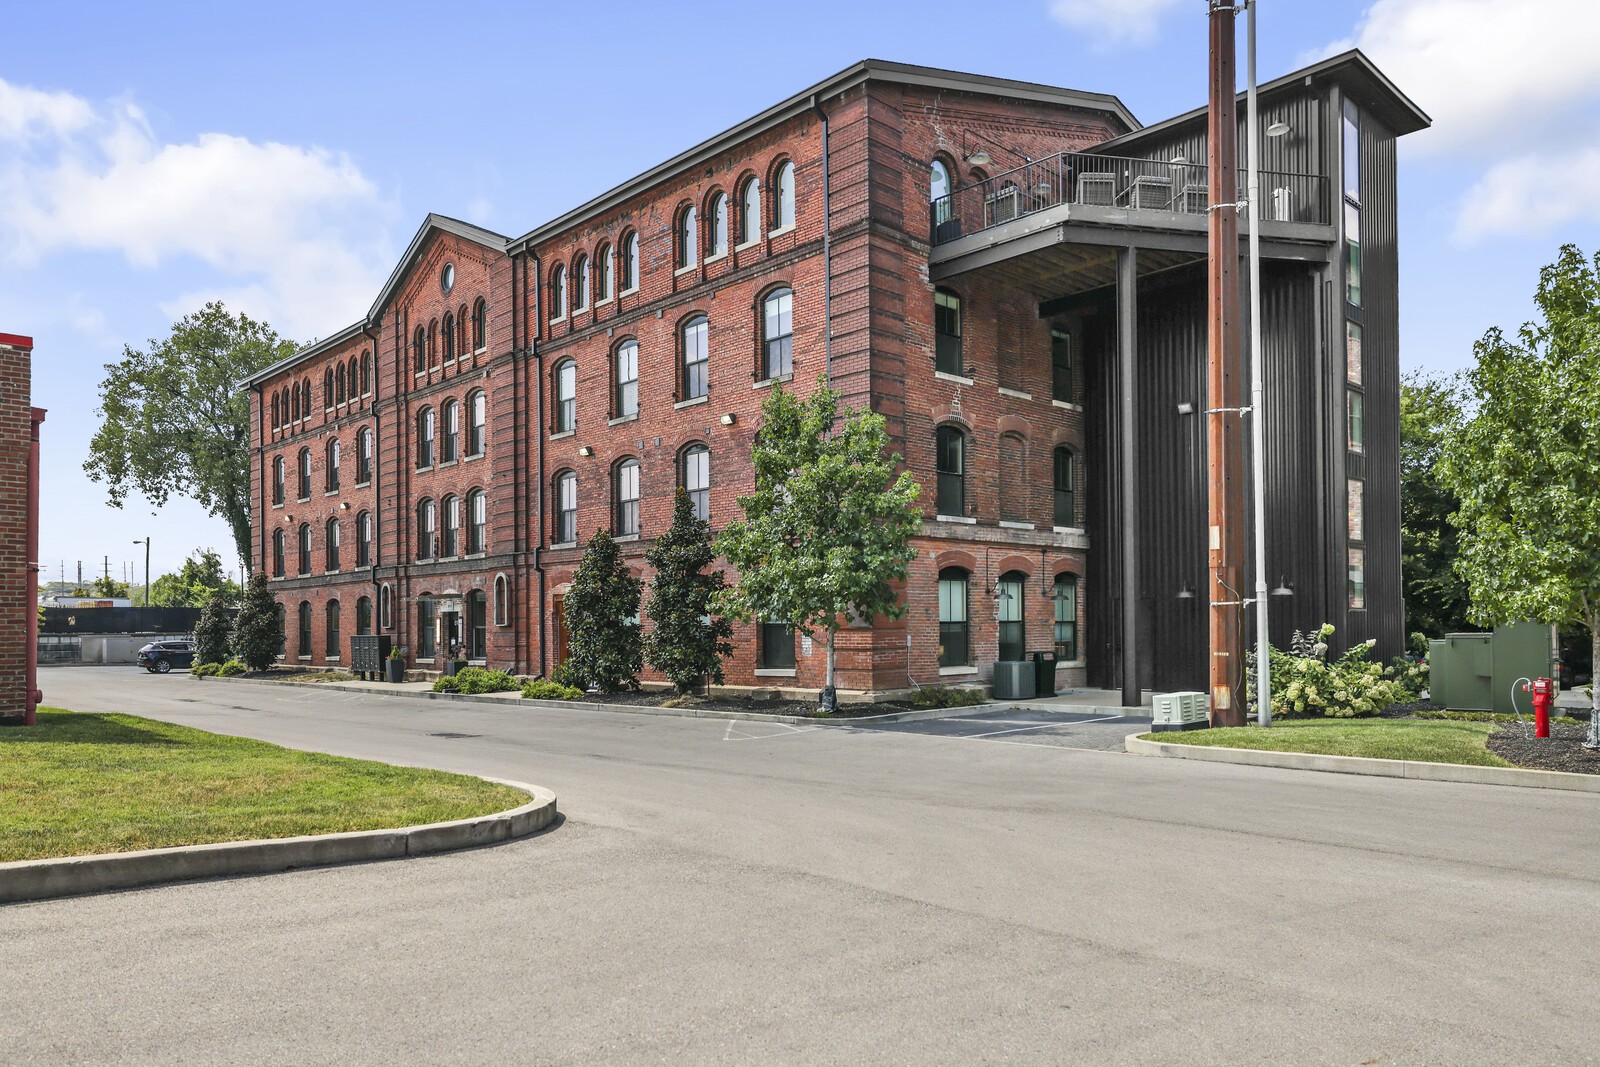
(18, 502)
(883, 132)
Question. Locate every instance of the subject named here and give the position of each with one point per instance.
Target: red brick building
(433, 470)
(19, 530)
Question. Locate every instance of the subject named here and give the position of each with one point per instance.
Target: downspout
(377, 487)
(538, 426)
(261, 471)
(827, 250)
(34, 696)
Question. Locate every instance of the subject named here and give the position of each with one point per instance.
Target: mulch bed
(1562, 751)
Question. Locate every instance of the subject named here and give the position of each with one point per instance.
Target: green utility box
(1475, 672)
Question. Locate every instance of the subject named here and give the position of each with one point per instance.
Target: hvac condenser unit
(1179, 711)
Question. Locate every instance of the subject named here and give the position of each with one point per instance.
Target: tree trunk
(830, 698)
(1593, 740)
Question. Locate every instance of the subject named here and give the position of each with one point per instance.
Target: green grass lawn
(1427, 741)
(80, 784)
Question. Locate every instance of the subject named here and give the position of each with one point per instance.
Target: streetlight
(146, 543)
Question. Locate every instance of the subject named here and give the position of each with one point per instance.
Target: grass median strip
(79, 784)
(1425, 741)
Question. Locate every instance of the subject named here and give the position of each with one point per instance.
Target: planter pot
(451, 666)
(395, 670)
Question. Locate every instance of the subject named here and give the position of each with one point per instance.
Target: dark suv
(162, 656)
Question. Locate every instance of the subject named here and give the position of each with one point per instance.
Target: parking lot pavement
(1028, 726)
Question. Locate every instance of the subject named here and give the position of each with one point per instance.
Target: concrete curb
(515, 700)
(76, 875)
(1383, 768)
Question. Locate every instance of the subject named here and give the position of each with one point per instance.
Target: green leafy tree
(199, 579)
(689, 640)
(173, 420)
(213, 634)
(257, 632)
(1526, 464)
(602, 619)
(1436, 596)
(828, 529)
(109, 588)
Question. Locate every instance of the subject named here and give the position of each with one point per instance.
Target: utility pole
(1224, 382)
(1258, 389)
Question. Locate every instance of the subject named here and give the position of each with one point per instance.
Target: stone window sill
(956, 518)
(563, 433)
(747, 244)
(1067, 529)
(620, 419)
(766, 383)
(690, 269)
(719, 257)
(1066, 405)
(564, 544)
(775, 672)
(628, 292)
(781, 230)
(1016, 393)
(623, 539)
(1008, 525)
(949, 672)
(680, 405)
(944, 376)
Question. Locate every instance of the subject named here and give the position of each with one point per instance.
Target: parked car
(161, 657)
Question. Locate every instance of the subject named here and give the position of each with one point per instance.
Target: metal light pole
(1258, 421)
(146, 543)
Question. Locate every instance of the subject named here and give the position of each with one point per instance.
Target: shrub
(232, 669)
(544, 689)
(946, 696)
(564, 675)
(257, 633)
(689, 640)
(214, 633)
(483, 680)
(1412, 675)
(1305, 683)
(602, 608)
(447, 684)
(205, 670)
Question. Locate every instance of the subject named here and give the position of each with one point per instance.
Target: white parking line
(727, 734)
(1040, 726)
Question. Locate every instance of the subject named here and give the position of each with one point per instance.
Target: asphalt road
(751, 893)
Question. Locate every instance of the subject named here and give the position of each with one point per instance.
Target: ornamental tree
(689, 640)
(602, 610)
(257, 632)
(1526, 464)
(1436, 596)
(828, 529)
(213, 634)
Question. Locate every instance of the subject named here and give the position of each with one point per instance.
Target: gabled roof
(1352, 70)
(315, 348)
(847, 79)
(445, 224)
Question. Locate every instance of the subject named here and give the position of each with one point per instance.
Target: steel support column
(1127, 343)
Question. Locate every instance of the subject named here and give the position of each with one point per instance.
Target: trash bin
(1013, 680)
(1044, 672)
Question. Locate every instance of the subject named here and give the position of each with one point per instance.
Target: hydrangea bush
(1305, 682)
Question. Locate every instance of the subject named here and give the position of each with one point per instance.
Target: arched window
(625, 520)
(947, 356)
(950, 460)
(955, 634)
(331, 544)
(451, 411)
(385, 602)
(305, 403)
(295, 404)
(363, 456)
(327, 388)
(340, 384)
(277, 553)
(630, 263)
(1065, 596)
(580, 283)
(352, 372)
(625, 402)
(419, 351)
(427, 616)
(433, 342)
(449, 338)
(480, 325)
(303, 646)
(695, 344)
(558, 292)
(427, 528)
(718, 217)
(695, 477)
(502, 600)
(688, 236)
(330, 465)
(304, 473)
(1014, 490)
(777, 334)
(364, 539)
(425, 437)
(331, 637)
(276, 413)
(750, 211)
(938, 195)
(277, 479)
(477, 634)
(477, 423)
(283, 630)
(305, 548)
(566, 396)
(477, 522)
(451, 506)
(1066, 509)
(1061, 367)
(1011, 612)
(566, 531)
(364, 615)
(783, 201)
(604, 273)
(366, 374)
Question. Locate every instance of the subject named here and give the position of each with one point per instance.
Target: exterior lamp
(1185, 407)
(1278, 129)
(729, 419)
(1283, 588)
(1186, 593)
(1179, 161)
(980, 158)
(585, 450)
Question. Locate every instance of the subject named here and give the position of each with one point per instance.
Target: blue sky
(279, 156)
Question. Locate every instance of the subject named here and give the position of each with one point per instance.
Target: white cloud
(295, 234)
(1113, 22)
(26, 113)
(1532, 195)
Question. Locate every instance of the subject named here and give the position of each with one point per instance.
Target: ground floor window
(1358, 579)
(364, 615)
(1011, 613)
(954, 635)
(303, 646)
(331, 648)
(477, 626)
(777, 646)
(427, 646)
(1066, 605)
(283, 631)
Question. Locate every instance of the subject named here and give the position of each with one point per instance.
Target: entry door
(558, 606)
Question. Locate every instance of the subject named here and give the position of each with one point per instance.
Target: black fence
(119, 620)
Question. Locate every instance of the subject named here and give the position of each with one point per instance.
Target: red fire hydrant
(1544, 694)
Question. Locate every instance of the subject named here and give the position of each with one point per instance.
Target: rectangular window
(1358, 579)
(1066, 605)
(1352, 352)
(696, 360)
(953, 632)
(1352, 254)
(1352, 153)
(947, 333)
(950, 463)
(777, 646)
(1008, 612)
(1356, 506)
(1355, 417)
(1066, 510)
(1061, 366)
(426, 644)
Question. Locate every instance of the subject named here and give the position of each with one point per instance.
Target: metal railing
(1118, 182)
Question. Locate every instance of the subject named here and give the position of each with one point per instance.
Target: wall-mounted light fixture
(1185, 408)
(288, 518)
(729, 419)
(585, 450)
(1186, 593)
(1179, 160)
(1279, 129)
(344, 505)
(1283, 588)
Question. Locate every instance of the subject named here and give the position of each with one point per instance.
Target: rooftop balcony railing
(1147, 187)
